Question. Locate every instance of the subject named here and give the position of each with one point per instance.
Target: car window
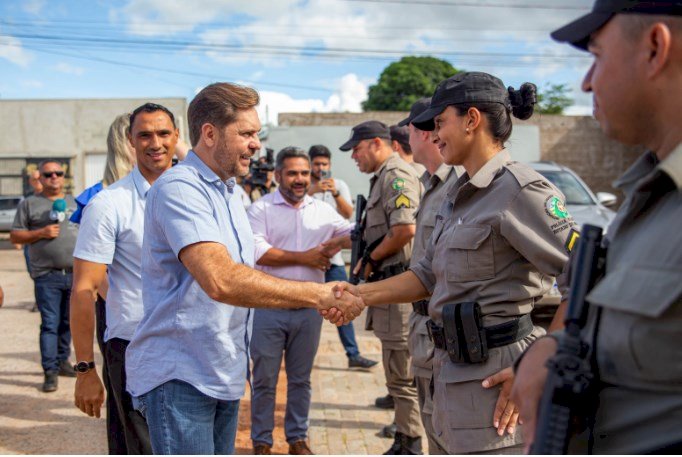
(9, 203)
(572, 189)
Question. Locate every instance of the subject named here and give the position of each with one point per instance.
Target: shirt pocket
(639, 337)
(470, 253)
(375, 214)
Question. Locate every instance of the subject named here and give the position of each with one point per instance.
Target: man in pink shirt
(295, 237)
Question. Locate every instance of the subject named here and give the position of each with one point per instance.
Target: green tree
(404, 82)
(554, 99)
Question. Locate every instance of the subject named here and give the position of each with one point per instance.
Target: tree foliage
(554, 99)
(404, 82)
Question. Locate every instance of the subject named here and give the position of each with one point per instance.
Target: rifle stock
(567, 396)
(356, 236)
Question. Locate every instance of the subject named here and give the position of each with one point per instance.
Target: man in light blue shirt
(109, 246)
(188, 360)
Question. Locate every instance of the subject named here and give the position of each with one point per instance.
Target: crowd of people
(194, 291)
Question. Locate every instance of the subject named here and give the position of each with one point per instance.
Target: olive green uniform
(421, 347)
(500, 239)
(393, 200)
(639, 335)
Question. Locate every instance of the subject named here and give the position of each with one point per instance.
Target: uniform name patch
(571, 240)
(402, 201)
(398, 184)
(555, 207)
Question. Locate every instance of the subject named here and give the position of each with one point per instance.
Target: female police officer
(501, 236)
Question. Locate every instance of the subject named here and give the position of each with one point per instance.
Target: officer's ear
(657, 40)
(473, 119)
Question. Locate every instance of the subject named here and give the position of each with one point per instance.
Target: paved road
(32, 422)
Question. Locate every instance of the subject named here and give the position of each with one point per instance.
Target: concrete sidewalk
(342, 420)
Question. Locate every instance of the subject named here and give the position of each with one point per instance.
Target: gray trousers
(296, 335)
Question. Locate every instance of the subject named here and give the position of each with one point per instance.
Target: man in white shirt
(294, 237)
(336, 193)
(110, 244)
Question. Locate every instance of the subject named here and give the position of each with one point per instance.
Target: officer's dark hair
(290, 152)
(521, 105)
(150, 108)
(406, 146)
(319, 150)
(218, 104)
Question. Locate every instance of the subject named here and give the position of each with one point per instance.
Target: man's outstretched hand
(341, 306)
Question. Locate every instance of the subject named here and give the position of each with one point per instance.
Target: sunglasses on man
(49, 174)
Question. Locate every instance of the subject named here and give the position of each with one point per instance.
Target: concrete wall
(68, 128)
(574, 141)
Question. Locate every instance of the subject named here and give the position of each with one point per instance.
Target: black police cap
(366, 131)
(418, 107)
(462, 88)
(578, 32)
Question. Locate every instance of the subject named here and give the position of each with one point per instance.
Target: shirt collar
(141, 183)
(205, 172)
(672, 166)
(278, 199)
(383, 165)
(485, 175)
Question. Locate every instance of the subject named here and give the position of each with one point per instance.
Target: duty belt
(460, 351)
(421, 307)
(387, 272)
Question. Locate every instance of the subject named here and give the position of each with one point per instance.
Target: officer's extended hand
(89, 394)
(529, 384)
(316, 257)
(50, 231)
(341, 307)
(506, 412)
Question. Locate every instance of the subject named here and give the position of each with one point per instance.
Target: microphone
(58, 212)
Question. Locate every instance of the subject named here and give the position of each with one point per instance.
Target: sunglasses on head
(49, 174)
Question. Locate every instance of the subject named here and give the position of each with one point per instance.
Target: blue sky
(306, 55)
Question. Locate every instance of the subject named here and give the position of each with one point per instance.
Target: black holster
(387, 272)
(464, 333)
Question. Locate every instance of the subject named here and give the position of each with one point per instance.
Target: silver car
(8, 209)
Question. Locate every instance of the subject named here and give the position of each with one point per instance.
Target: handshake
(341, 304)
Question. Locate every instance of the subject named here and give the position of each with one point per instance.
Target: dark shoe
(405, 445)
(261, 449)
(388, 431)
(34, 309)
(299, 447)
(51, 381)
(384, 402)
(360, 362)
(66, 369)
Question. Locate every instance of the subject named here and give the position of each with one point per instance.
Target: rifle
(570, 385)
(356, 236)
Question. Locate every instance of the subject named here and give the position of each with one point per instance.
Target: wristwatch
(376, 264)
(336, 194)
(83, 367)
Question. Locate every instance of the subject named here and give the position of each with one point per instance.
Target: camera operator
(261, 178)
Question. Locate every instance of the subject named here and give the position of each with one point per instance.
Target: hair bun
(523, 100)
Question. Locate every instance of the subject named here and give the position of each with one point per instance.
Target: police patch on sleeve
(398, 184)
(572, 240)
(402, 201)
(555, 207)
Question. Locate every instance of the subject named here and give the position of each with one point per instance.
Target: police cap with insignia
(418, 107)
(465, 87)
(366, 131)
(578, 32)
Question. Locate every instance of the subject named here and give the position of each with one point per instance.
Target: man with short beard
(187, 362)
(296, 235)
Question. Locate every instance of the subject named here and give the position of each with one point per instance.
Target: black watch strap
(84, 367)
(376, 264)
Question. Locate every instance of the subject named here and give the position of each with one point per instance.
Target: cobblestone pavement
(342, 420)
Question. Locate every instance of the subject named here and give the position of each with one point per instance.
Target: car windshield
(572, 189)
(9, 203)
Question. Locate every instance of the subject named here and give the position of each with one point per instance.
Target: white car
(8, 209)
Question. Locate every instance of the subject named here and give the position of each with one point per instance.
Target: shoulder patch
(555, 207)
(571, 240)
(523, 174)
(398, 184)
(402, 201)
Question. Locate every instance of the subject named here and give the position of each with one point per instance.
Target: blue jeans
(184, 421)
(346, 332)
(53, 292)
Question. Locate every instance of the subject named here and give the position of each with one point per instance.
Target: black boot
(385, 402)
(51, 381)
(405, 445)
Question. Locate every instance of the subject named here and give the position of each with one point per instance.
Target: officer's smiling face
(363, 156)
(448, 135)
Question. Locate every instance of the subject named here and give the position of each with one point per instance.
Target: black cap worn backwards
(366, 131)
(578, 32)
(418, 107)
(465, 87)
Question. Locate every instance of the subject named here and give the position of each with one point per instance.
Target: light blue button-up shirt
(184, 334)
(110, 233)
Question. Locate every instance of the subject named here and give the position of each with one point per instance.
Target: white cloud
(33, 6)
(12, 50)
(32, 84)
(347, 97)
(64, 67)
